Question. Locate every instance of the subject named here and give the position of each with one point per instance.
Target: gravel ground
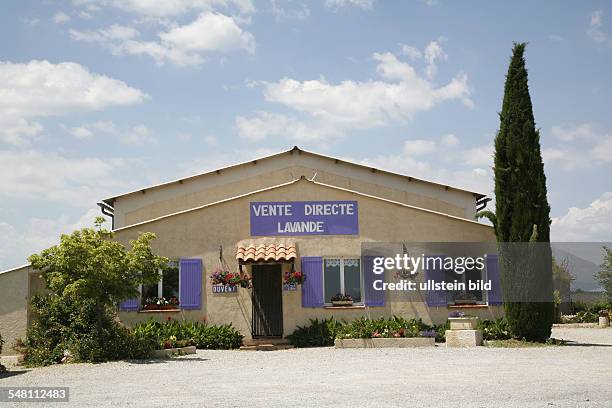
(568, 376)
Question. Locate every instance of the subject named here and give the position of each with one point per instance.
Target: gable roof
(109, 201)
(251, 193)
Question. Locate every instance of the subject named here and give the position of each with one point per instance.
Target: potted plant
(292, 279)
(461, 321)
(224, 281)
(341, 299)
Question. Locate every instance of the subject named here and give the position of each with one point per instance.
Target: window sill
(484, 306)
(345, 307)
(160, 311)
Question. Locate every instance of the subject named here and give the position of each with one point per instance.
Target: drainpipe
(108, 211)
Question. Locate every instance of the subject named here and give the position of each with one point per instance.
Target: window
(467, 296)
(342, 275)
(167, 287)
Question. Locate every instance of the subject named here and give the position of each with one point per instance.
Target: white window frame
(160, 286)
(485, 294)
(342, 289)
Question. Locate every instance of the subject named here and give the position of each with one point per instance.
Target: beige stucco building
(296, 210)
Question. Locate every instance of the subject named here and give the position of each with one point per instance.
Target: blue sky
(101, 97)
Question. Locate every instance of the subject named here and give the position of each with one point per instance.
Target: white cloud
(174, 8)
(479, 156)
(79, 132)
(333, 109)
(432, 54)
(450, 140)
(287, 11)
(592, 223)
(268, 124)
(61, 18)
(362, 4)
(43, 175)
(136, 135)
(181, 45)
(568, 133)
(411, 52)
(40, 89)
(209, 32)
(581, 147)
(595, 31)
(475, 179)
(418, 147)
(210, 140)
(602, 151)
(17, 244)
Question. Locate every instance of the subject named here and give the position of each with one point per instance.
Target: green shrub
(319, 333)
(441, 331)
(497, 329)
(174, 333)
(65, 330)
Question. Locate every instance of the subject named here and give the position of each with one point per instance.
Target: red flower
(169, 318)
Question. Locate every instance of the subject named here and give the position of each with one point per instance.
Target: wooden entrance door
(267, 301)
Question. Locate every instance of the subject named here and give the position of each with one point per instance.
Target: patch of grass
(514, 343)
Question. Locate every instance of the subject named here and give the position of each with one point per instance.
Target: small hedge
(174, 333)
(319, 333)
(497, 329)
(586, 313)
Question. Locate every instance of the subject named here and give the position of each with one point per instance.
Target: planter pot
(166, 353)
(289, 287)
(221, 288)
(604, 321)
(342, 302)
(463, 323)
(400, 342)
(150, 307)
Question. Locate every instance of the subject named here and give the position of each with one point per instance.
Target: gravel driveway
(567, 376)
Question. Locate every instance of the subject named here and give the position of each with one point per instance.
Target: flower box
(342, 302)
(172, 352)
(290, 287)
(463, 323)
(221, 288)
(402, 342)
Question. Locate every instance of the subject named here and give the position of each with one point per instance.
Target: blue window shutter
(312, 288)
(435, 298)
(129, 305)
(190, 296)
(495, 294)
(372, 296)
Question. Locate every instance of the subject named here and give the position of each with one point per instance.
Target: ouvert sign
(304, 218)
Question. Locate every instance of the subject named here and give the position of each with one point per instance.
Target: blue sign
(304, 218)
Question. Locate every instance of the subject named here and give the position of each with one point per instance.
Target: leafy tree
(522, 213)
(604, 276)
(90, 267)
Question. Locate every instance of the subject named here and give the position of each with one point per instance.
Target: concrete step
(266, 347)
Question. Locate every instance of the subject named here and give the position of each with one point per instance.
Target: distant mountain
(581, 269)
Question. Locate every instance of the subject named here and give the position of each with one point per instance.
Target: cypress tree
(522, 212)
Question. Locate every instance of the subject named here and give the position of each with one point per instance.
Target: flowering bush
(225, 277)
(294, 277)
